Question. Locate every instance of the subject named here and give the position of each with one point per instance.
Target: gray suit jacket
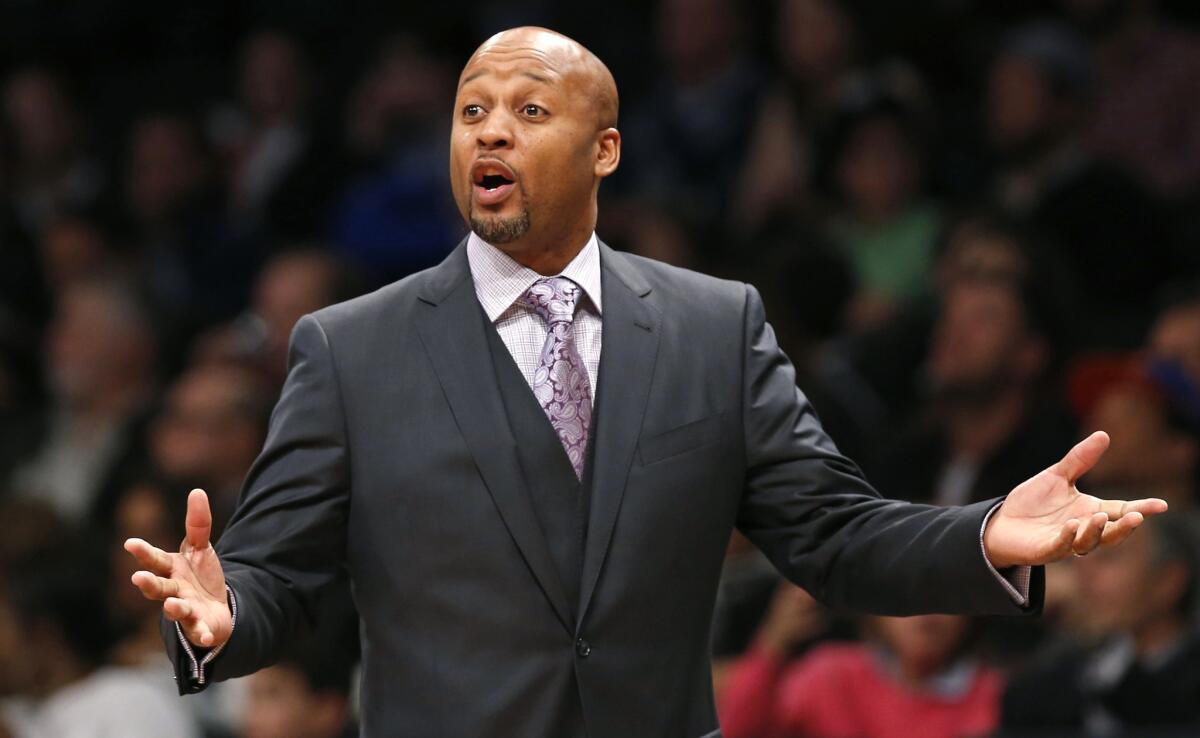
(390, 457)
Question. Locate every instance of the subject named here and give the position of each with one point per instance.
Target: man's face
(524, 143)
(1141, 450)
(280, 704)
(978, 339)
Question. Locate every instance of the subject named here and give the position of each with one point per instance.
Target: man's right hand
(190, 584)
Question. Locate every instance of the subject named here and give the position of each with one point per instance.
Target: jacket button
(583, 648)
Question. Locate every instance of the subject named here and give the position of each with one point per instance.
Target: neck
(549, 256)
(978, 430)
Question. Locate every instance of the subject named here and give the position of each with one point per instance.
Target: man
(210, 427)
(522, 565)
(986, 424)
(1139, 676)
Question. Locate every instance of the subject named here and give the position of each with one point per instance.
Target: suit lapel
(452, 327)
(631, 333)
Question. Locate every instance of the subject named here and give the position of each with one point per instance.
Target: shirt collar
(500, 280)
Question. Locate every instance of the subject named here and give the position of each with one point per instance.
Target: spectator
(814, 42)
(1175, 335)
(56, 645)
(209, 430)
(985, 425)
(51, 172)
(306, 695)
(913, 678)
(1139, 600)
(1147, 115)
(1154, 444)
(395, 215)
(883, 220)
(292, 284)
(689, 141)
(193, 265)
(1038, 90)
(265, 135)
(101, 353)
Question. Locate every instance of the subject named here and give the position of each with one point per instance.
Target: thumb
(199, 520)
(1082, 457)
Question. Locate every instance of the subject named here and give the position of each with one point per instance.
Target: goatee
(498, 231)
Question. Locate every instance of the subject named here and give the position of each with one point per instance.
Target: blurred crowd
(975, 225)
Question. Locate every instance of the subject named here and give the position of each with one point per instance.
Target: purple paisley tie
(561, 382)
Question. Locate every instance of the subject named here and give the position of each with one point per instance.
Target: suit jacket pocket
(680, 439)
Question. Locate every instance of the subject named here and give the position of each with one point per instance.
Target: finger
(1089, 534)
(1083, 456)
(154, 587)
(1147, 507)
(1119, 530)
(204, 633)
(199, 520)
(176, 609)
(1066, 536)
(154, 559)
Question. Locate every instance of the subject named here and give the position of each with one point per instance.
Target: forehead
(505, 61)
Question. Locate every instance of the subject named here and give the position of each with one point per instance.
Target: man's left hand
(1047, 518)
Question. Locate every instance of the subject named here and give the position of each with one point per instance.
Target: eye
(472, 111)
(533, 111)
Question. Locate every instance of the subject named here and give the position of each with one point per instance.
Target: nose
(496, 132)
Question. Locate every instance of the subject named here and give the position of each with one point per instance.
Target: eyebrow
(481, 72)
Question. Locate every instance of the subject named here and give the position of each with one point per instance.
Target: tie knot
(553, 299)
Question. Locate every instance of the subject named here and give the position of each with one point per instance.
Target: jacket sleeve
(286, 541)
(813, 513)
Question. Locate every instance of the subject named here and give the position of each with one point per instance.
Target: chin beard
(498, 230)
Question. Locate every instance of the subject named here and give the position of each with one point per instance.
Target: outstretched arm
(285, 543)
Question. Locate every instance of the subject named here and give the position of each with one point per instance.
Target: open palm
(191, 583)
(1047, 518)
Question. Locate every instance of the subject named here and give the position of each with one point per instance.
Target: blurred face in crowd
(981, 343)
(70, 249)
(697, 36)
(140, 512)
(878, 172)
(208, 428)
(814, 40)
(1125, 588)
(97, 343)
(281, 704)
(1020, 104)
(1175, 337)
(41, 118)
(1143, 448)
(166, 167)
(532, 137)
(272, 81)
(289, 287)
(924, 644)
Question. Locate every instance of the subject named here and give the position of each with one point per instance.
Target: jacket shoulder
(678, 286)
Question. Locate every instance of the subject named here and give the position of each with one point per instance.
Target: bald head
(582, 71)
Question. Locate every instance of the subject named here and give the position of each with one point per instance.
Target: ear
(608, 152)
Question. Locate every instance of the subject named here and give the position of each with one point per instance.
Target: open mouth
(493, 181)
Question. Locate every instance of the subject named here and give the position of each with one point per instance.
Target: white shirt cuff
(1016, 581)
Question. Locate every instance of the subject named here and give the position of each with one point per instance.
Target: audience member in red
(913, 677)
